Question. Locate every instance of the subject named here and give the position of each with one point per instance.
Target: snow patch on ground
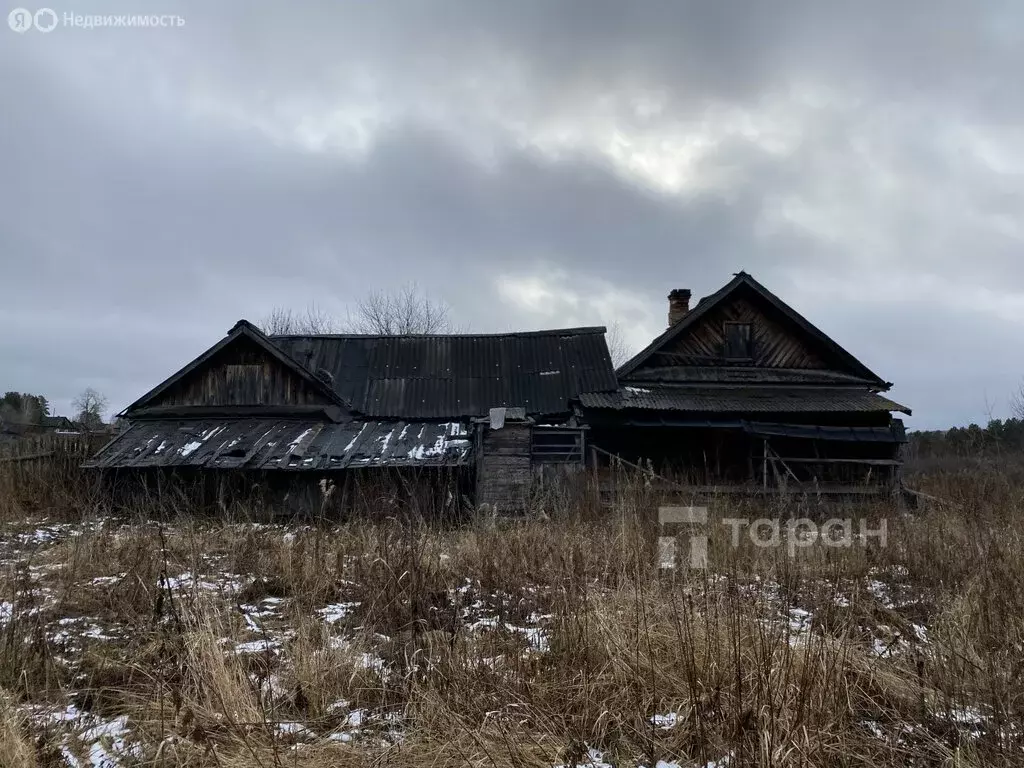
(536, 637)
(336, 611)
(227, 582)
(593, 759)
(666, 721)
(89, 741)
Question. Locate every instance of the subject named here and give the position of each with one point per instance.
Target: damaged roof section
(286, 444)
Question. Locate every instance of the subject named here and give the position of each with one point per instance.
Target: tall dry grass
(16, 748)
(525, 643)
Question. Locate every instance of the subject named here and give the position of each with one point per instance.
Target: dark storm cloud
(530, 163)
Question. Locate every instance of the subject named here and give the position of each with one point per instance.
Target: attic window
(739, 341)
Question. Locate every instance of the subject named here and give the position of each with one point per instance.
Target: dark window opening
(557, 445)
(739, 341)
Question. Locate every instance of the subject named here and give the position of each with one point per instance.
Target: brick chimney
(678, 305)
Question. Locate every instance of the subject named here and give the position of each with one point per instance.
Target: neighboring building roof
(743, 281)
(459, 375)
(56, 422)
(742, 400)
(285, 444)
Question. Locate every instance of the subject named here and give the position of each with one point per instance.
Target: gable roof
(241, 329)
(56, 422)
(459, 375)
(742, 280)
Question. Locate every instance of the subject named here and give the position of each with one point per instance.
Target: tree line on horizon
(26, 409)
(996, 437)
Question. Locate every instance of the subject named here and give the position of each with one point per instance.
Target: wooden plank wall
(505, 476)
(242, 375)
(775, 346)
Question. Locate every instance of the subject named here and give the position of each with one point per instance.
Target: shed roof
(285, 444)
(459, 375)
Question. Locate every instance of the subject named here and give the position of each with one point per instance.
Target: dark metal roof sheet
(741, 400)
(459, 376)
(734, 374)
(285, 444)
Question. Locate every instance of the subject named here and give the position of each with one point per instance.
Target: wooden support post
(764, 467)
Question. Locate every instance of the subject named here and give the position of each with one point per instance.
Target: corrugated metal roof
(459, 376)
(730, 374)
(741, 400)
(286, 444)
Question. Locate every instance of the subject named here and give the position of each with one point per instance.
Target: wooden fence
(68, 447)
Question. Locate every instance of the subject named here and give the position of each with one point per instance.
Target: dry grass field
(190, 641)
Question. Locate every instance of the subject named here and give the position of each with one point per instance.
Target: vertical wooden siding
(242, 374)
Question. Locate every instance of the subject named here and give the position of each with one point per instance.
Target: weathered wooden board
(243, 374)
(775, 344)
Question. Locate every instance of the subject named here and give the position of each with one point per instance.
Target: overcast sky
(532, 163)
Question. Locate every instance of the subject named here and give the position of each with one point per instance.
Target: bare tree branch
(618, 347)
(405, 312)
(286, 322)
(1017, 402)
(90, 407)
(408, 311)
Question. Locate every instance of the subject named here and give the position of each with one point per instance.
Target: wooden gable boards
(244, 368)
(782, 337)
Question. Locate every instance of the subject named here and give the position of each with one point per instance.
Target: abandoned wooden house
(740, 393)
(488, 411)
